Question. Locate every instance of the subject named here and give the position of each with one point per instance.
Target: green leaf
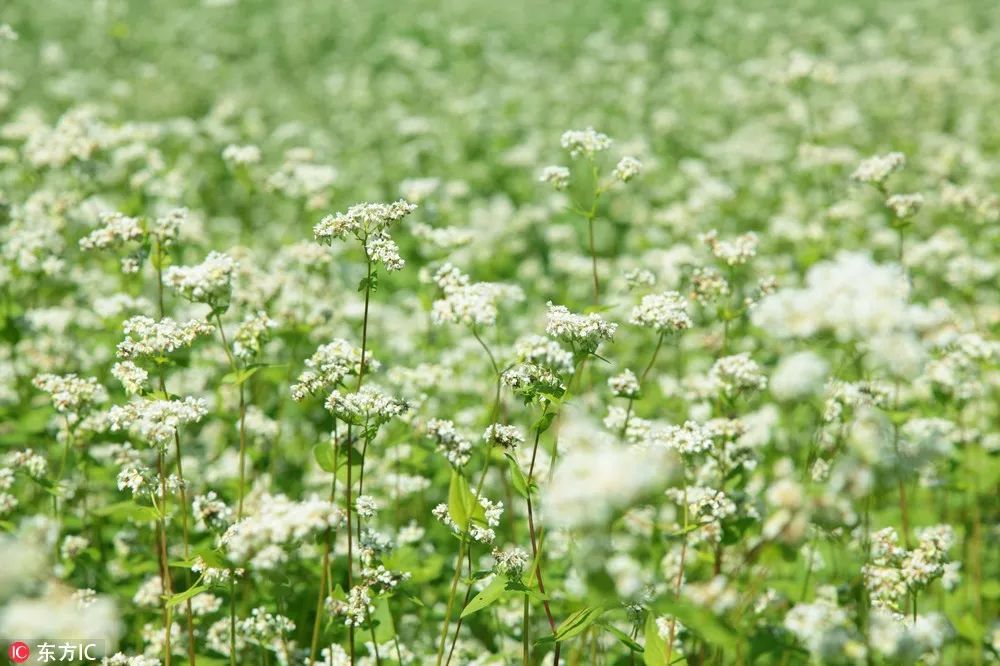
(701, 621)
(622, 637)
(655, 653)
(458, 505)
(578, 622)
(181, 597)
(241, 376)
(325, 457)
(130, 511)
(969, 628)
(385, 628)
(487, 597)
(544, 422)
(517, 477)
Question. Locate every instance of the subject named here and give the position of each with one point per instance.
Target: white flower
(115, 229)
(156, 421)
(329, 366)
(904, 206)
(362, 220)
(732, 252)
(584, 332)
(627, 169)
(556, 176)
(876, 169)
(241, 155)
(624, 385)
(733, 374)
(662, 312)
(584, 143)
(369, 407)
(132, 377)
(156, 338)
(506, 436)
(207, 282)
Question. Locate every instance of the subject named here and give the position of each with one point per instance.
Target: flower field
(609, 333)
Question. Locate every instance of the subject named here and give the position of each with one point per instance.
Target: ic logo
(19, 652)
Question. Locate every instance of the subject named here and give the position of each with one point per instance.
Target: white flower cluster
(507, 436)
(207, 282)
(851, 296)
(531, 380)
(356, 609)
(380, 248)
(245, 155)
(905, 206)
(156, 421)
(469, 304)
(546, 352)
(33, 463)
(210, 512)
(556, 176)
(854, 396)
(662, 312)
(456, 448)
(264, 628)
(894, 571)
(733, 252)
(731, 375)
(510, 562)
(132, 377)
(115, 229)
(584, 143)
(826, 630)
(329, 365)
(277, 523)
(903, 639)
(627, 169)
(369, 407)
(156, 338)
(252, 333)
(71, 394)
(584, 332)
(362, 220)
(876, 169)
(624, 385)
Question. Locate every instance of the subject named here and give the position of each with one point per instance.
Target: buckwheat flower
(440, 512)
(469, 304)
(329, 366)
(365, 506)
(556, 176)
(278, 521)
(820, 471)
(733, 374)
(71, 394)
(624, 385)
(455, 448)
(73, 545)
(584, 143)
(115, 230)
(357, 609)
(166, 228)
(506, 436)
(369, 407)
(511, 562)
(263, 628)
(245, 155)
(905, 206)
(252, 333)
(215, 575)
(6, 478)
(826, 630)
(7, 503)
(210, 512)
(708, 285)
(877, 169)
(546, 352)
(380, 248)
(156, 421)
(732, 252)
(362, 220)
(7, 33)
(662, 312)
(531, 380)
(627, 169)
(584, 332)
(208, 282)
(132, 377)
(137, 480)
(156, 338)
